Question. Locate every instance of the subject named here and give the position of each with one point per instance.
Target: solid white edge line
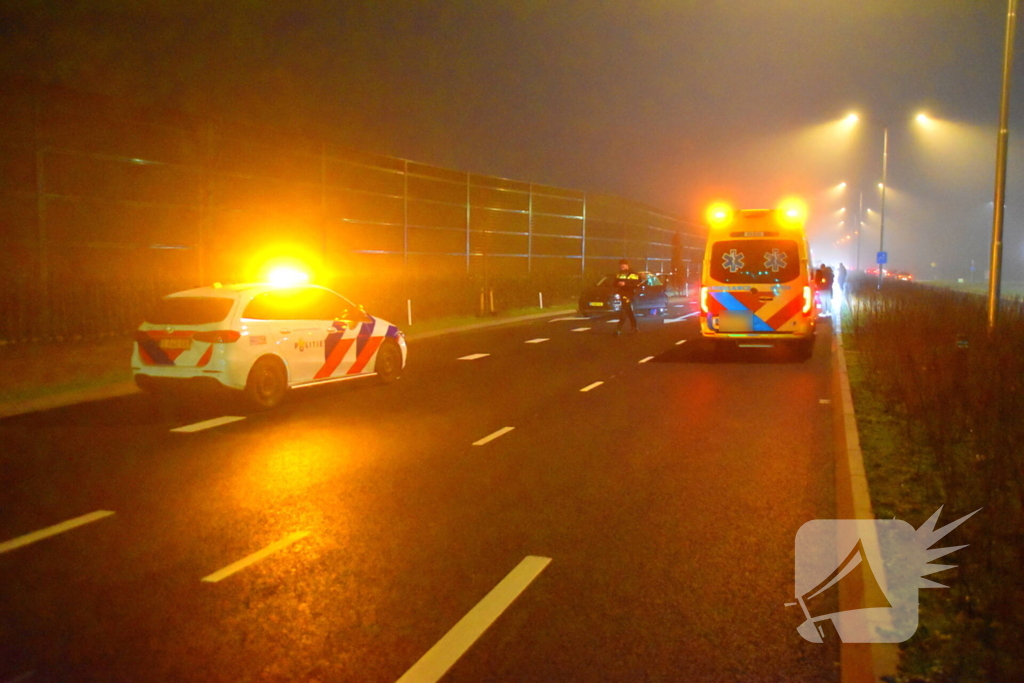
(438, 659)
(580, 329)
(474, 356)
(538, 340)
(493, 436)
(595, 385)
(644, 360)
(206, 424)
(255, 557)
(70, 524)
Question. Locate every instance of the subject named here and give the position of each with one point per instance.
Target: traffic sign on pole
(883, 258)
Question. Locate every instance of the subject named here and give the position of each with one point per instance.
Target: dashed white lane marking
(580, 317)
(644, 360)
(580, 329)
(613, 320)
(595, 385)
(681, 342)
(680, 318)
(538, 340)
(255, 557)
(438, 659)
(7, 546)
(206, 424)
(474, 356)
(824, 400)
(491, 437)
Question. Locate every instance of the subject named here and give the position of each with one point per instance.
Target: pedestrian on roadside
(626, 282)
(841, 279)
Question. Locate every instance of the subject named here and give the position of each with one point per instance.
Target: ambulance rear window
(189, 310)
(755, 261)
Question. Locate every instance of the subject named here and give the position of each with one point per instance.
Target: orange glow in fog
(719, 215)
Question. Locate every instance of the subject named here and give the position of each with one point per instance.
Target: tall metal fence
(105, 206)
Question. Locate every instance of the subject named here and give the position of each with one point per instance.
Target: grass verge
(961, 636)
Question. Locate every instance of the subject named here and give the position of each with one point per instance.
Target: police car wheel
(267, 383)
(389, 362)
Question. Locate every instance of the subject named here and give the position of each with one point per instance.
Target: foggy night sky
(674, 103)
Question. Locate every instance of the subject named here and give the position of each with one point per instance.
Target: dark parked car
(650, 297)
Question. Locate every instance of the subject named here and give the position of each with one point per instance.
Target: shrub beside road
(940, 407)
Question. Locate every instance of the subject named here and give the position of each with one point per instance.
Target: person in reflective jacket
(626, 282)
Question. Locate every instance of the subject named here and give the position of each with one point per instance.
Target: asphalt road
(639, 531)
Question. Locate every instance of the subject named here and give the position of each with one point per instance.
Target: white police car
(262, 339)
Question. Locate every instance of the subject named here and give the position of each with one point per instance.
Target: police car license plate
(597, 303)
(176, 344)
(736, 321)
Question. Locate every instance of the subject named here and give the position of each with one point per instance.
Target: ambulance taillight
(704, 299)
(808, 299)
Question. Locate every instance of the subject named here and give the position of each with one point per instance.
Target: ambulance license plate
(736, 321)
(185, 344)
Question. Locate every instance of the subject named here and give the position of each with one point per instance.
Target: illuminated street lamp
(922, 119)
(881, 229)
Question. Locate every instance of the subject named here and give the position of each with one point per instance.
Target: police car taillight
(217, 336)
(808, 299)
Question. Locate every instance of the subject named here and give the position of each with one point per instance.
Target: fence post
(529, 233)
(323, 204)
(42, 237)
(205, 212)
(583, 249)
(469, 203)
(405, 213)
(42, 249)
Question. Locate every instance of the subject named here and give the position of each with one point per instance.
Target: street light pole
(995, 271)
(860, 224)
(885, 180)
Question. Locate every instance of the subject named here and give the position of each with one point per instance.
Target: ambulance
(757, 289)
